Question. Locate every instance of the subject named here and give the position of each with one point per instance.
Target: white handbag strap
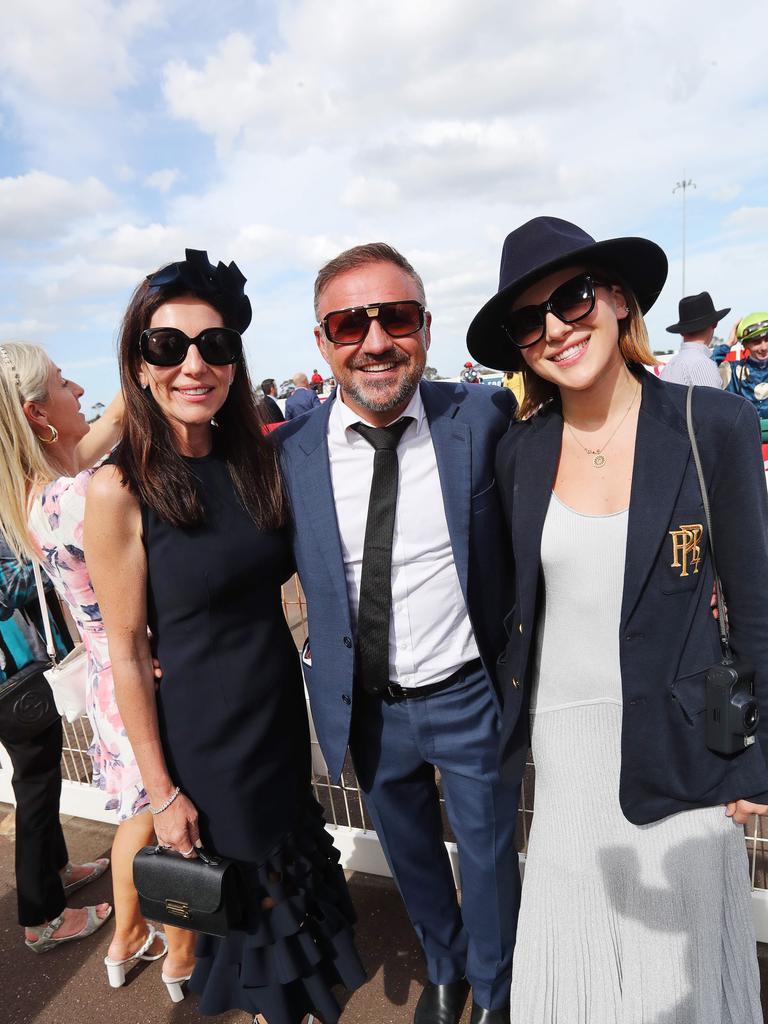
(44, 611)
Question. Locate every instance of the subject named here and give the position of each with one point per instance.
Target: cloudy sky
(278, 133)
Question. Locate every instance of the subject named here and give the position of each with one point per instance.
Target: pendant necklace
(598, 459)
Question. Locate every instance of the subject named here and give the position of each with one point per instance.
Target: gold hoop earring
(54, 435)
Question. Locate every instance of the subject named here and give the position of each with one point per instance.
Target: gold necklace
(599, 460)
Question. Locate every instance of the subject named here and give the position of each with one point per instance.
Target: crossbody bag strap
(722, 619)
(49, 646)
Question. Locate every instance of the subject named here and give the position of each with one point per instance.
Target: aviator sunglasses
(350, 326)
(571, 302)
(168, 346)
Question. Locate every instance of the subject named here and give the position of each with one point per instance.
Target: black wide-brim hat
(545, 244)
(695, 312)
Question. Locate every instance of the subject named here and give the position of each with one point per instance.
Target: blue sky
(278, 134)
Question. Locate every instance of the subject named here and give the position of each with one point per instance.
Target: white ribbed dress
(619, 923)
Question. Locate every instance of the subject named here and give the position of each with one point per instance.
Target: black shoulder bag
(731, 708)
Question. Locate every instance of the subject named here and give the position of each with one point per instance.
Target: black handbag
(27, 707)
(200, 893)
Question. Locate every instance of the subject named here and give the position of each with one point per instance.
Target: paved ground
(69, 986)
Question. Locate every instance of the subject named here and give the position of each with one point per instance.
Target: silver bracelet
(167, 803)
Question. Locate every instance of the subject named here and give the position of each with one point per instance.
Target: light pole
(684, 185)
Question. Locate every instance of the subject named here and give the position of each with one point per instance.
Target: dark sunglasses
(350, 326)
(572, 301)
(168, 346)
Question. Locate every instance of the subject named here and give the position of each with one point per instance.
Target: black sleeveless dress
(233, 724)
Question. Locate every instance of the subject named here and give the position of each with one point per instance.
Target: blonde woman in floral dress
(43, 484)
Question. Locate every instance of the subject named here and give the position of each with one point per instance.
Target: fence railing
(344, 808)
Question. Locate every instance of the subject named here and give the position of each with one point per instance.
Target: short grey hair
(361, 256)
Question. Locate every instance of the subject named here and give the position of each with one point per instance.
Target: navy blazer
(668, 635)
(301, 401)
(466, 422)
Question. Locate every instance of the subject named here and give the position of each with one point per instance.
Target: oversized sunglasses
(168, 346)
(350, 326)
(572, 301)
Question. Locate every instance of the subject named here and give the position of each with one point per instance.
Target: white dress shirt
(692, 365)
(430, 635)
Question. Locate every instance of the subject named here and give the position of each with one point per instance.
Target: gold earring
(54, 435)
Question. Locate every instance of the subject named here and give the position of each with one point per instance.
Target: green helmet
(752, 327)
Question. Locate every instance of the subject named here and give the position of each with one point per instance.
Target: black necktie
(376, 576)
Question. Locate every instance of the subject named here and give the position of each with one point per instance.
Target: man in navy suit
(448, 589)
(303, 399)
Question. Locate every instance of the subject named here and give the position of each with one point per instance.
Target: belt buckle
(395, 691)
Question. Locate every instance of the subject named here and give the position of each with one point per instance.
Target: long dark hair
(147, 455)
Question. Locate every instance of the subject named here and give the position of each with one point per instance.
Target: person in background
(188, 535)
(636, 902)
(316, 382)
(302, 400)
(469, 374)
(514, 381)
(268, 407)
(748, 376)
(693, 364)
(45, 878)
(47, 445)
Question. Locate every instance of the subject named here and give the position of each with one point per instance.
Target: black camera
(732, 711)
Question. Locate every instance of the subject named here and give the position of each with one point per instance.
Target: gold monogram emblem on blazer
(686, 547)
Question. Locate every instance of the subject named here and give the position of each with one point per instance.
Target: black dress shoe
(442, 1004)
(483, 1016)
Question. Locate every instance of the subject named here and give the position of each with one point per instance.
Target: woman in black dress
(185, 534)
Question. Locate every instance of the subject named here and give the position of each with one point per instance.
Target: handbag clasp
(178, 908)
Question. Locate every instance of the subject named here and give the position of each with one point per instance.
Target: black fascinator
(222, 286)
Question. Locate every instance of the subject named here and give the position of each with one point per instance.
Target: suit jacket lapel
(661, 457)
(535, 469)
(451, 439)
(312, 484)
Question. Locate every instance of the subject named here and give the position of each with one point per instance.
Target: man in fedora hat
(697, 320)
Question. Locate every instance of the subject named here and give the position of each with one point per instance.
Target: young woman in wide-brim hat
(636, 902)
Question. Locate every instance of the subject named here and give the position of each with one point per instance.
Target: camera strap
(722, 618)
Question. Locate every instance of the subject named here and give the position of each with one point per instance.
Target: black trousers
(40, 848)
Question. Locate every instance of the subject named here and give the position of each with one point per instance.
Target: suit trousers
(41, 851)
(396, 747)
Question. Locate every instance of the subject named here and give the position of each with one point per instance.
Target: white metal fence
(344, 808)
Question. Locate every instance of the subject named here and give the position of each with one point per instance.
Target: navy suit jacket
(668, 637)
(302, 400)
(466, 422)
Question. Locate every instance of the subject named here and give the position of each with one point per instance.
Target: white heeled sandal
(116, 968)
(175, 986)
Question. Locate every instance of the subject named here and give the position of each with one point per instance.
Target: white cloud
(162, 180)
(77, 52)
(437, 127)
(38, 206)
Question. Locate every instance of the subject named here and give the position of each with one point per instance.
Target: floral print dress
(56, 524)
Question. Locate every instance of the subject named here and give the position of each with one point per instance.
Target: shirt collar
(346, 418)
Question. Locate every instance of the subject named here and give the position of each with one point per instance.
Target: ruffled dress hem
(297, 939)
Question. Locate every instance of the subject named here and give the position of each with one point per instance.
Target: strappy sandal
(45, 940)
(98, 867)
(116, 968)
(175, 986)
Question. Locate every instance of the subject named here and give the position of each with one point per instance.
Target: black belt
(396, 692)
